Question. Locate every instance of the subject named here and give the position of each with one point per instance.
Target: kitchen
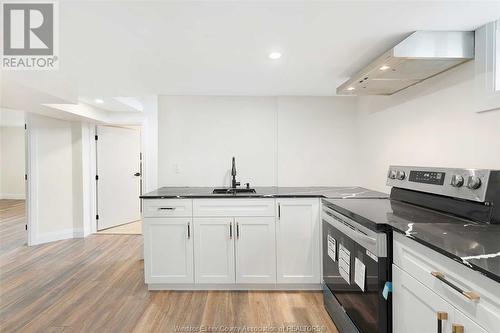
(296, 172)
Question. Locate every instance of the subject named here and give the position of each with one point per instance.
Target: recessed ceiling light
(274, 55)
(98, 101)
(351, 88)
(384, 67)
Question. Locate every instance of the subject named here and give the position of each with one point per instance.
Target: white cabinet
(214, 250)
(415, 307)
(255, 250)
(298, 241)
(468, 325)
(236, 243)
(168, 250)
(426, 282)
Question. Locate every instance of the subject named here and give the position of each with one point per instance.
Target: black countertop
(475, 245)
(170, 192)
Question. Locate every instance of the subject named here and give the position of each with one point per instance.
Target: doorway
(13, 231)
(118, 179)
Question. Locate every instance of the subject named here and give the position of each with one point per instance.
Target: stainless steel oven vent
(418, 57)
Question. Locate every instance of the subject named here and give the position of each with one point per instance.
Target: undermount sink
(231, 190)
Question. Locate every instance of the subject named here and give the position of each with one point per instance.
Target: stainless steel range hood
(420, 56)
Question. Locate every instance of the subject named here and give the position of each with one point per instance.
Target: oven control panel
(469, 184)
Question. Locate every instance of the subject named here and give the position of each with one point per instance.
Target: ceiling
(136, 48)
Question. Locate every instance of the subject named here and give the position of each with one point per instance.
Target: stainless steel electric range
(357, 236)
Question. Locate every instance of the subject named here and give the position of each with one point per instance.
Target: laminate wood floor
(96, 284)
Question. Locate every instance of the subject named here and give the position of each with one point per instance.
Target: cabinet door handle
(189, 230)
(230, 230)
(471, 295)
(279, 211)
(237, 230)
(166, 208)
(441, 315)
(457, 328)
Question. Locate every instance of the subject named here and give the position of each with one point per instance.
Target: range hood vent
(420, 56)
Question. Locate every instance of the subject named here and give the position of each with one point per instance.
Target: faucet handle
(247, 185)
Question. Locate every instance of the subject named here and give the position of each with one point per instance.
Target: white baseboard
(167, 286)
(53, 236)
(13, 196)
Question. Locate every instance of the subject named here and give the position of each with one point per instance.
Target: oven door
(355, 271)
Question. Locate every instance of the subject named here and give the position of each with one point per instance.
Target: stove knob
(473, 182)
(457, 181)
(392, 174)
(400, 174)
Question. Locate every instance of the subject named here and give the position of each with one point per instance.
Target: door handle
(441, 315)
(471, 295)
(279, 211)
(230, 230)
(237, 230)
(137, 174)
(189, 230)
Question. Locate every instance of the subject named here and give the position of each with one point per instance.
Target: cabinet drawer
(167, 208)
(233, 207)
(420, 261)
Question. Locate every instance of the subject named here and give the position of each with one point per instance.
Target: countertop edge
(238, 196)
(447, 254)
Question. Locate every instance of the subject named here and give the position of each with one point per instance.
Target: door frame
(93, 167)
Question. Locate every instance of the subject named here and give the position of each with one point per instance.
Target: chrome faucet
(234, 183)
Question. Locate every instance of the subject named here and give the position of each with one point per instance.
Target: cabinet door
(168, 250)
(468, 325)
(415, 307)
(214, 250)
(255, 250)
(298, 241)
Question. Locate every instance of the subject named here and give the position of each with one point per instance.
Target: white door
(214, 250)
(255, 250)
(460, 320)
(168, 256)
(118, 171)
(298, 241)
(415, 307)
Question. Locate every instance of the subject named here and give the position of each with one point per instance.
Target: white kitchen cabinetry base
(298, 241)
(168, 250)
(259, 286)
(232, 244)
(418, 295)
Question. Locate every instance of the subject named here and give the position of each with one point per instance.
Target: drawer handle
(441, 315)
(166, 208)
(457, 328)
(471, 295)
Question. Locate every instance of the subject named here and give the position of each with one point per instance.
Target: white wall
(149, 143)
(12, 185)
(431, 124)
(316, 141)
(56, 180)
(285, 141)
(198, 136)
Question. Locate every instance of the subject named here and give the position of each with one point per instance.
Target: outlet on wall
(176, 168)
